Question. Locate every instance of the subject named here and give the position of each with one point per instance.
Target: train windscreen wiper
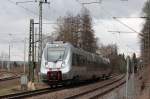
(59, 58)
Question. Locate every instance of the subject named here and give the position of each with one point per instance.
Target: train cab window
(54, 54)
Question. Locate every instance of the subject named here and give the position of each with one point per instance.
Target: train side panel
(73, 64)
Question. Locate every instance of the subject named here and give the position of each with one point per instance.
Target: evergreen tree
(88, 37)
(145, 35)
(134, 62)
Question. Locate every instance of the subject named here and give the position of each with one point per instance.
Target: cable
(126, 25)
(123, 24)
(28, 10)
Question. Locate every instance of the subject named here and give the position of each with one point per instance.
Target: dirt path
(145, 94)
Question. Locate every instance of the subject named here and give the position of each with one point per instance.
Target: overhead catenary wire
(127, 48)
(115, 18)
(123, 32)
(134, 31)
(26, 9)
(25, 1)
(108, 13)
(126, 25)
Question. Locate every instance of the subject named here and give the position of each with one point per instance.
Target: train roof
(78, 51)
(58, 44)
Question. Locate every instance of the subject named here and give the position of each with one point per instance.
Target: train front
(54, 63)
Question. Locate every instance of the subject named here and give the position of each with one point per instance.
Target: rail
(101, 87)
(49, 90)
(9, 78)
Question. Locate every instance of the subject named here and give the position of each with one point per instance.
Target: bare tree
(3, 59)
(117, 61)
(68, 29)
(77, 30)
(108, 50)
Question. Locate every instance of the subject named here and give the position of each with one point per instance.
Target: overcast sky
(14, 19)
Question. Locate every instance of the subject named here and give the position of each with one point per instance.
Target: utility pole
(40, 35)
(9, 58)
(148, 44)
(2, 62)
(127, 76)
(24, 55)
(8, 66)
(31, 51)
(40, 46)
(35, 45)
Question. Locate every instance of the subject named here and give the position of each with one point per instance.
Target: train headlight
(63, 64)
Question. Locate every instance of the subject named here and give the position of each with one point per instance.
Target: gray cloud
(15, 19)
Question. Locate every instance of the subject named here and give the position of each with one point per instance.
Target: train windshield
(55, 54)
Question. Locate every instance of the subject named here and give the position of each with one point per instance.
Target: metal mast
(40, 33)
(9, 63)
(40, 46)
(9, 58)
(31, 51)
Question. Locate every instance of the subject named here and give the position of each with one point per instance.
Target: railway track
(28, 93)
(9, 78)
(7, 75)
(50, 90)
(37, 92)
(104, 89)
(33, 93)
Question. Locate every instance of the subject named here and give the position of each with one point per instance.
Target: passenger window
(74, 59)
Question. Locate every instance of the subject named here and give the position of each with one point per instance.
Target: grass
(9, 90)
